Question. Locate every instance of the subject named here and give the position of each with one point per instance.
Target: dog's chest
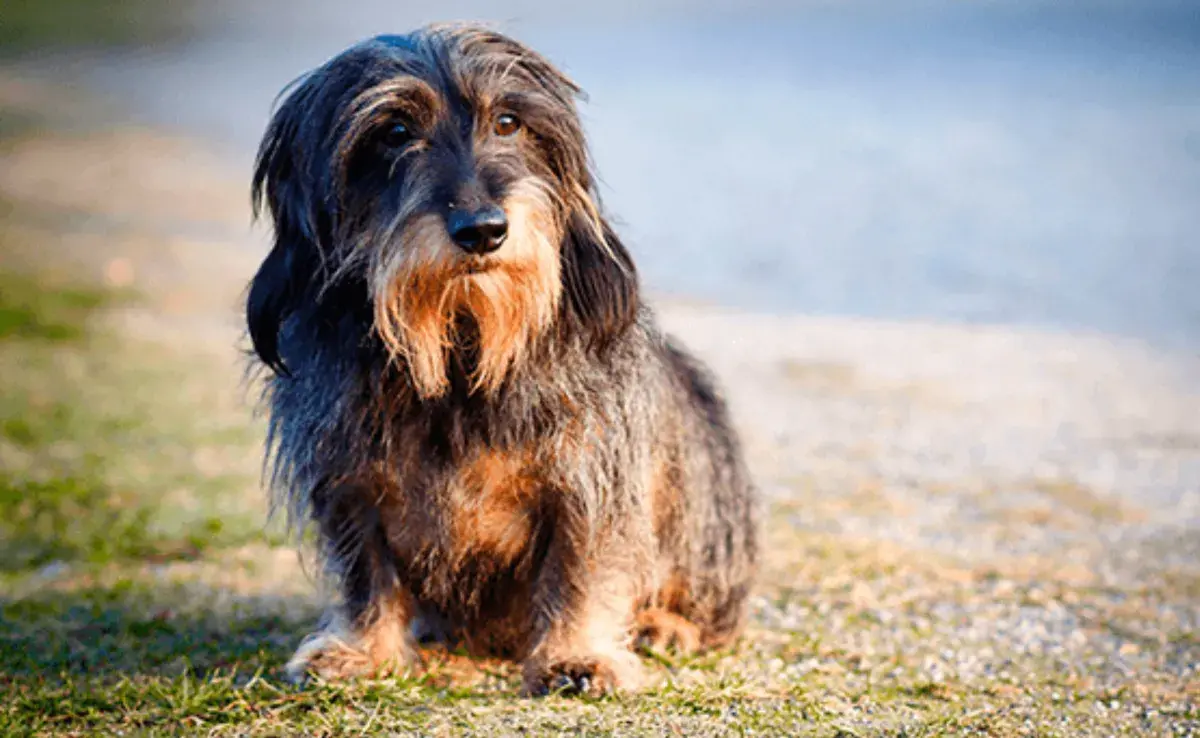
(481, 514)
(491, 506)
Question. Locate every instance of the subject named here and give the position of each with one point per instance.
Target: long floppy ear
(287, 180)
(274, 293)
(599, 280)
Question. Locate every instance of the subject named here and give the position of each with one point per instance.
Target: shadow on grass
(105, 661)
(132, 631)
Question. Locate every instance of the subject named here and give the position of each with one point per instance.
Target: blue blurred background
(1028, 162)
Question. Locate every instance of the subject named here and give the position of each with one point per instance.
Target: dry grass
(1087, 502)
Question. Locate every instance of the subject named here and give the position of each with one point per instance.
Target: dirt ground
(973, 529)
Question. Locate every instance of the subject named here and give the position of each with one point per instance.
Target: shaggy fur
(499, 449)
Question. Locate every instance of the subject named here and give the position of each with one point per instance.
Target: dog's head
(445, 175)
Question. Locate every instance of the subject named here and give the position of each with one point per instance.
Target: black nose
(478, 231)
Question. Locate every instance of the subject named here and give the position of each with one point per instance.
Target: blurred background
(1019, 162)
(944, 257)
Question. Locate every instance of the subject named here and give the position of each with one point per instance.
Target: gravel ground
(976, 441)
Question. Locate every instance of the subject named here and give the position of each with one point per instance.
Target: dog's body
(470, 401)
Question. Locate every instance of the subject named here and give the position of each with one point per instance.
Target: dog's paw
(332, 656)
(659, 630)
(589, 675)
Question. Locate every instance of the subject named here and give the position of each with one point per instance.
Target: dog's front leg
(582, 608)
(367, 633)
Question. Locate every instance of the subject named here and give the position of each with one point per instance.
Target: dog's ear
(273, 296)
(287, 181)
(599, 280)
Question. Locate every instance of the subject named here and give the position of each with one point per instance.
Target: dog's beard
(512, 295)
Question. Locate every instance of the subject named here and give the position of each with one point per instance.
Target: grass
(1084, 501)
(68, 492)
(180, 650)
(124, 659)
(30, 310)
(32, 25)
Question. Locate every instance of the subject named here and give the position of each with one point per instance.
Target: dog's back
(708, 525)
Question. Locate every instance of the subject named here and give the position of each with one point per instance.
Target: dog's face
(445, 174)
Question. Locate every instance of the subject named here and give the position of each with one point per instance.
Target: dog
(468, 399)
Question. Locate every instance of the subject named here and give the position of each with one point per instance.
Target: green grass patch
(97, 447)
(32, 310)
(34, 24)
(67, 519)
(133, 629)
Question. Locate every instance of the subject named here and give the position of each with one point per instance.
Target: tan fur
(511, 295)
(662, 630)
(380, 645)
(577, 668)
(592, 638)
(493, 503)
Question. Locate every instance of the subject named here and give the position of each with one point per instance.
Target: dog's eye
(397, 135)
(507, 124)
